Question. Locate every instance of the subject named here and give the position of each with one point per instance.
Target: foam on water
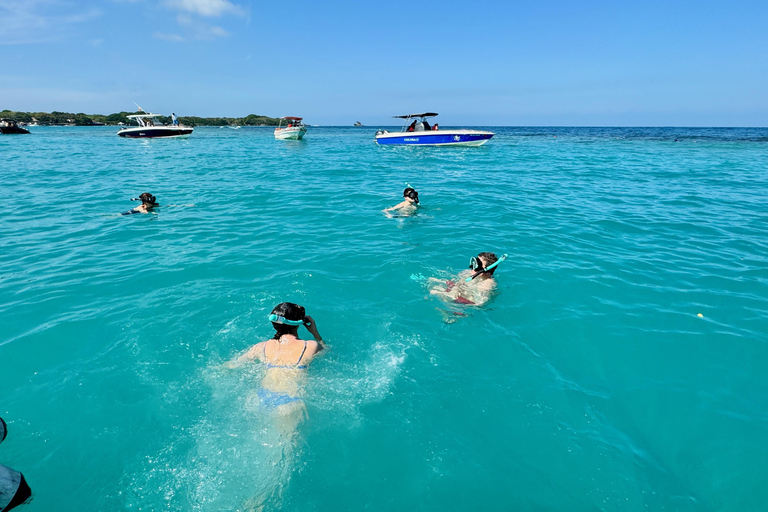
(590, 382)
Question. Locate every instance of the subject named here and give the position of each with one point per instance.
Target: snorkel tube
(484, 270)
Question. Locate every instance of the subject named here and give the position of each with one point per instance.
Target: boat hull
(292, 133)
(154, 132)
(12, 130)
(435, 138)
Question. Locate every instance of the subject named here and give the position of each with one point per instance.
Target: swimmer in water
(473, 287)
(286, 357)
(408, 206)
(147, 203)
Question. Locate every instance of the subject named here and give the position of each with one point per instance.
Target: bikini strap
(302, 352)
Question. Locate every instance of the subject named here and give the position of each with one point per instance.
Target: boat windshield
(416, 122)
(146, 119)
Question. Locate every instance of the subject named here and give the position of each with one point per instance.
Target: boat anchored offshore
(9, 127)
(294, 131)
(148, 128)
(420, 133)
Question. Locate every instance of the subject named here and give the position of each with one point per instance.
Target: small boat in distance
(295, 129)
(420, 133)
(147, 128)
(11, 127)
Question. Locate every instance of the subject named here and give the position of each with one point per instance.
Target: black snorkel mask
(475, 264)
(413, 195)
(152, 200)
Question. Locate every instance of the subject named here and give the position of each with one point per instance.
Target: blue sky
(587, 63)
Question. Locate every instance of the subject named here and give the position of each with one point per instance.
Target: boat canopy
(293, 118)
(408, 116)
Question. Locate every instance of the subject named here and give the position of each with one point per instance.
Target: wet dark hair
(149, 199)
(490, 258)
(410, 192)
(289, 311)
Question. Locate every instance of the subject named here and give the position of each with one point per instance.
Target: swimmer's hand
(309, 323)
(418, 278)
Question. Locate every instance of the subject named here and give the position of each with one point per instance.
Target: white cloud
(206, 8)
(175, 38)
(200, 29)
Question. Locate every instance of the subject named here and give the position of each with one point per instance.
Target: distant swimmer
(472, 287)
(286, 357)
(409, 205)
(148, 202)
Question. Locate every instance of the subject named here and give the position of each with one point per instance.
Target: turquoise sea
(621, 366)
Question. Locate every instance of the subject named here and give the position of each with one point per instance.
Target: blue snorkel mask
(477, 265)
(282, 320)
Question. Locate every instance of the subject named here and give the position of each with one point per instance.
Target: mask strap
(282, 320)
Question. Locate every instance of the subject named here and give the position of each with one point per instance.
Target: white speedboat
(149, 128)
(294, 130)
(417, 132)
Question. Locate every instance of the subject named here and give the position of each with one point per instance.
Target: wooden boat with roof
(294, 130)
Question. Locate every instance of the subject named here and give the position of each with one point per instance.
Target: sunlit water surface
(622, 365)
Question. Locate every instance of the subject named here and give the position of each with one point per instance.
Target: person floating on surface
(472, 287)
(148, 202)
(409, 205)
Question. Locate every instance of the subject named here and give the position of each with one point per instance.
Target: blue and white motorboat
(417, 132)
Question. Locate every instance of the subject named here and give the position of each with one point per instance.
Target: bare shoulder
(314, 346)
(256, 351)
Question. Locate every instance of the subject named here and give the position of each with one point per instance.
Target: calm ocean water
(589, 383)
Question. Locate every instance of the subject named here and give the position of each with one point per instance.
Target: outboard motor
(14, 490)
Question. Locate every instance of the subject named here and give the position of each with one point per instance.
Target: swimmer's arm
(311, 326)
(396, 207)
(444, 294)
(251, 354)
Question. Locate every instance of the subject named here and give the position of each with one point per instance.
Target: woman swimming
(472, 287)
(286, 357)
(408, 206)
(148, 201)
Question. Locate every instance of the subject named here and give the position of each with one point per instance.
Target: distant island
(69, 119)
